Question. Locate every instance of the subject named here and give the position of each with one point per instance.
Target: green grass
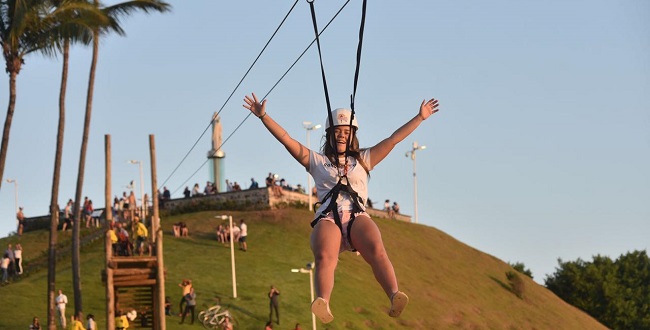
(451, 285)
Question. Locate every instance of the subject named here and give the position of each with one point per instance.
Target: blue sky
(541, 149)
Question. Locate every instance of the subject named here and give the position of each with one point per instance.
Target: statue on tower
(216, 155)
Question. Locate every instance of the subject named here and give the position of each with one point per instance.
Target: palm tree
(114, 12)
(72, 29)
(21, 26)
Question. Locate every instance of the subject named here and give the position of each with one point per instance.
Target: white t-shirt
(18, 254)
(244, 230)
(5, 262)
(61, 300)
(326, 176)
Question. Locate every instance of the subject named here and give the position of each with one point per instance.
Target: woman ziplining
(341, 171)
(341, 163)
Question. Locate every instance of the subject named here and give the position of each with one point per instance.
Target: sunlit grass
(451, 285)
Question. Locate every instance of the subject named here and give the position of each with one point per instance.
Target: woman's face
(342, 135)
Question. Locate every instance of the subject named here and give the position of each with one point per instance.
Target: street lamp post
(309, 127)
(309, 270)
(143, 213)
(415, 180)
(15, 191)
(232, 254)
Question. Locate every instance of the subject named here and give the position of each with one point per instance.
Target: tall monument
(216, 156)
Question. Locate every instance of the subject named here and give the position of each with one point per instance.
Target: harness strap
(322, 68)
(332, 207)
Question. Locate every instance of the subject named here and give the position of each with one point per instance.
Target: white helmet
(341, 117)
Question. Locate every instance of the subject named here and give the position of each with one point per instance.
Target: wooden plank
(135, 283)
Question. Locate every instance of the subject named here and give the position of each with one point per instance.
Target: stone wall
(255, 199)
(261, 198)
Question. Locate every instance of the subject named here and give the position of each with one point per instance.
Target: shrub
(517, 285)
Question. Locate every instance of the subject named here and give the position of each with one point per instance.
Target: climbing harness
(343, 185)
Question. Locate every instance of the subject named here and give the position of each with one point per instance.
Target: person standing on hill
(341, 174)
(61, 300)
(18, 257)
(242, 235)
(141, 234)
(186, 286)
(20, 216)
(274, 304)
(190, 298)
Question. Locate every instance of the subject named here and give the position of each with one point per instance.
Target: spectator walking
(190, 299)
(274, 304)
(242, 235)
(18, 258)
(61, 300)
(20, 216)
(341, 174)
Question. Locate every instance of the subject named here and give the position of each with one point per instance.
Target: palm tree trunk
(76, 263)
(8, 120)
(54, 207)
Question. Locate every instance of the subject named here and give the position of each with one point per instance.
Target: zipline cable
(265, 96)
(231, 94)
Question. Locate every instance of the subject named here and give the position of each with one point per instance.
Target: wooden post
(157, 235)
(110, 293)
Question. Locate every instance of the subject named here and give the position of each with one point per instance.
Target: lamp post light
(415, 178)
(143, 214)
(309, 270)
(232, 254)
(15, 191)
(309, 127)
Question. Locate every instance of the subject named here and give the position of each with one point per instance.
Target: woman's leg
(366, 238)
(325, 245)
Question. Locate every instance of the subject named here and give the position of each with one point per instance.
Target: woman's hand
(427, 108)
(252, 104)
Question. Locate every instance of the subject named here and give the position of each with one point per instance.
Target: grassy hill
(451, 285)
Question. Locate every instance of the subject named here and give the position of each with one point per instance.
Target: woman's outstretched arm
(383, 148)
(295, 148)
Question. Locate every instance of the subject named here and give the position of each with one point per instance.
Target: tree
(22, 27)
(616, 293)
(520, 267)
(73, 28)
(114, 13)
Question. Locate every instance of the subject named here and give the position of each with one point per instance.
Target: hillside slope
(451, 285)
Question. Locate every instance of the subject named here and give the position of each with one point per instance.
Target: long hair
(329, 149)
